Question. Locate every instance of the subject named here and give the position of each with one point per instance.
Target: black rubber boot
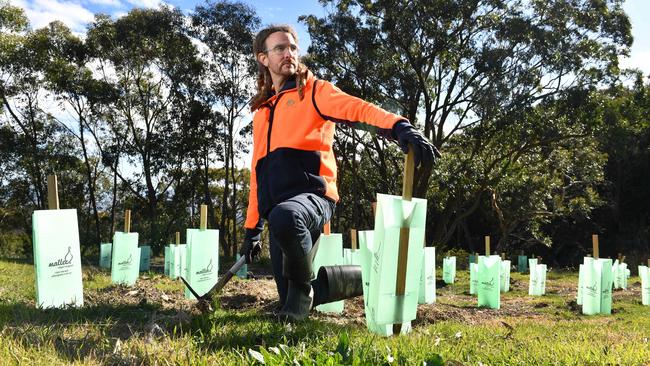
(300, 295)
(335, 283)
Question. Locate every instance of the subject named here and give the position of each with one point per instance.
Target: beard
(287, 68)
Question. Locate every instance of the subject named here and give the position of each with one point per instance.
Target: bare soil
(260, 294)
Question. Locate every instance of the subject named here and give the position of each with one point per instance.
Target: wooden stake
(487, 245)
(326, 229)
(204, 217)
(374, 209)
(127, 221)
(622, 259)
(353, 239)
(648, 262)
(178, 238)
(52, 193)
(476, 257)
(503, 256)
(594, 244)
(402, 257)
(539, 260)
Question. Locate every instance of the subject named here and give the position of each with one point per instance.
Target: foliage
(481, 78)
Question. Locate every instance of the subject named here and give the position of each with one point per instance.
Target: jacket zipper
(268, 137)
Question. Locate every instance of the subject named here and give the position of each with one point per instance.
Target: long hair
(264, 81)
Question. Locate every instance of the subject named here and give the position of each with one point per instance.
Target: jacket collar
(290, 83)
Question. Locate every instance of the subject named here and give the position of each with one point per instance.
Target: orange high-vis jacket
(292, 143)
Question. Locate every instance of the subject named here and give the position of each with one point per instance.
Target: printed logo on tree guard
(592, 289)
(67, 259)
(488, 284)
(126, 262)
(207, 269)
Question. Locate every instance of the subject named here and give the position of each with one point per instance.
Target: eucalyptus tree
(227, 30)
(68, 76)
(455, 66)
(38, 145)
(625, 138)
(153, 67)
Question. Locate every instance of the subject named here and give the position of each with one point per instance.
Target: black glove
(249, 249)
(423, 151)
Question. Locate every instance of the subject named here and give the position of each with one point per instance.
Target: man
(293, 171)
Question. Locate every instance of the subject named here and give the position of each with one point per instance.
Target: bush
(462, 257)
(15, 244)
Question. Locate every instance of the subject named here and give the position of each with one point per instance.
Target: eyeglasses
(281, 48)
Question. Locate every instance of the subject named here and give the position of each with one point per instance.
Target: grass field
(151, 324)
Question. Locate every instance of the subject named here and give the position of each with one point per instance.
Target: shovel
(205, 302)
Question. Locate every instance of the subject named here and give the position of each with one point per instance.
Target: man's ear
(263, 58)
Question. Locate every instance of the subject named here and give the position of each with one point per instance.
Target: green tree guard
(57, 258)
(504, 280)
(473, 278)
(449, 270)
(489, 273)
(427, 293)
(385, 307)
(105, 255)
(145, 258)
(522, 264)
(202, 257)
(581, 284)
(125, 265)
(644, 274)
(167, 259)
(243, 271)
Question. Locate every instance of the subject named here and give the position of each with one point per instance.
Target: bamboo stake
(476, 257)
(374, 209)
(503, 256)
(353, 240)
(178, 238)
(127, 221)
(487, 246)
(204, 217)
(402, 258)
(594, 244)
(52, 193)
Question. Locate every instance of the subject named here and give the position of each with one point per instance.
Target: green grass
(526, 331)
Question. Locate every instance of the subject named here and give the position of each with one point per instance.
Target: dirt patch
(259, 294)
(143, 292)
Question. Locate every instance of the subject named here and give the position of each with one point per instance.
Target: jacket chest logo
(290, 102)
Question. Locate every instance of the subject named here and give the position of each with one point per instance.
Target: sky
(78, 13)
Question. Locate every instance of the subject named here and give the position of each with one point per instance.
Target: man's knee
(284, 221)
